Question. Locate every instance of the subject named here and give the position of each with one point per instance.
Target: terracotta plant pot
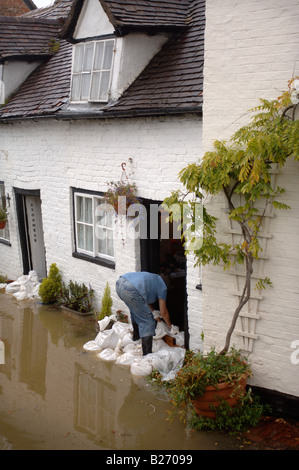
(2, 224)
(213, 396)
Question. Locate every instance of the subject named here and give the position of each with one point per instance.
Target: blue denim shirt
(150, 286)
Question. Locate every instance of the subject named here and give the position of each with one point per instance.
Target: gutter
(64, 116)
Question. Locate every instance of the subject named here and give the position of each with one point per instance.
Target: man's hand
(164, 312)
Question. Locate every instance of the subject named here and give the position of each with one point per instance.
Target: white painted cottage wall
(54, 156)
(251, 51)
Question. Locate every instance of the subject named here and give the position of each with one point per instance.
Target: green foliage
(121, 316)
(263, 283)
(200, 370)
(3, 214)
(240, 170)
(245, 414)
(50, 287)
(3, 279)
(121, 189)
(106, 308)
(77, 297)
(54, 46)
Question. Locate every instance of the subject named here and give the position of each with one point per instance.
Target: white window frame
(93, 70)
(94, 224)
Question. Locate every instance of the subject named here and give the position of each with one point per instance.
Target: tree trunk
(243, 301)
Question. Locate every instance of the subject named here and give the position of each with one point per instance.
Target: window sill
(101, 261)
(5, 242)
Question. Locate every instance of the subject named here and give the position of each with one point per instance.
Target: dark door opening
(29, 215)
(166, 256)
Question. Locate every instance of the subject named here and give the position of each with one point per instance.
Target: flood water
(55, 396)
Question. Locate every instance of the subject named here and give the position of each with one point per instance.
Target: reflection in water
(56, 396)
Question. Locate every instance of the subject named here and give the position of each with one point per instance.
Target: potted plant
(50, 287)
(207, 380)
(3, 217)
(77, 297)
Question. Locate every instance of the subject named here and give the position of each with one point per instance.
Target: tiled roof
(173, 80)
(59, 10)
(22, 36)
(46, 90)
(148, 12)
(171, 83)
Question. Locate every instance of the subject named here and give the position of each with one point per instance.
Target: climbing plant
(240, 170)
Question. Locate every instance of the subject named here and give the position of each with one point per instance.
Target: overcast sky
(43, 3)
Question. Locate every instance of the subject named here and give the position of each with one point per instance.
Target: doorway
(28, 204)
(164, 254)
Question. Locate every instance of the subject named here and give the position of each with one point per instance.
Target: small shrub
(3, 279)
(106, 308)
(246, 414)
(77, 296)
(3, 214)
(50, 288)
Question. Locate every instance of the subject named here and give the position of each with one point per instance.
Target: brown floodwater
(56, 396)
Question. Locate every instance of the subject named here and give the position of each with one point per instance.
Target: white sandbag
(141, 368)
(121, 328)
(91, 346)
(25, 287)
(166, 359)
(21, 295)
(124, 340)
(13, 287)
(109, 340)
(2, 286)
(161, 330)
(108, 355)
(103, 323)
(130, 355)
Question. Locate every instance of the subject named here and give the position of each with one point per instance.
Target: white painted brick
(54, 156)
(251, 51)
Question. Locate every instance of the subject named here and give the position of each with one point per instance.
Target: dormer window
(92, 70)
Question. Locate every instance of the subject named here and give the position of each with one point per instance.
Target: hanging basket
(121, 189)
(2, 224)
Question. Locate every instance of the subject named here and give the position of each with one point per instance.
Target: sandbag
(25, 287)
(117, 345)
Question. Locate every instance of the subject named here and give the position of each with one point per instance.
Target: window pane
(104, 86)
(79, 215)
(76, 86)
(88, 56)
(78, 57)
(98, 58)
(89, 238)
(85, 86)
(109, 218)
(80, 233)
(101, 232)
(110, 250)
(95, 86)
(88, 211)
(109, 46)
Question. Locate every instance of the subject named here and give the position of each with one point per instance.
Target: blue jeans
(139, 310)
